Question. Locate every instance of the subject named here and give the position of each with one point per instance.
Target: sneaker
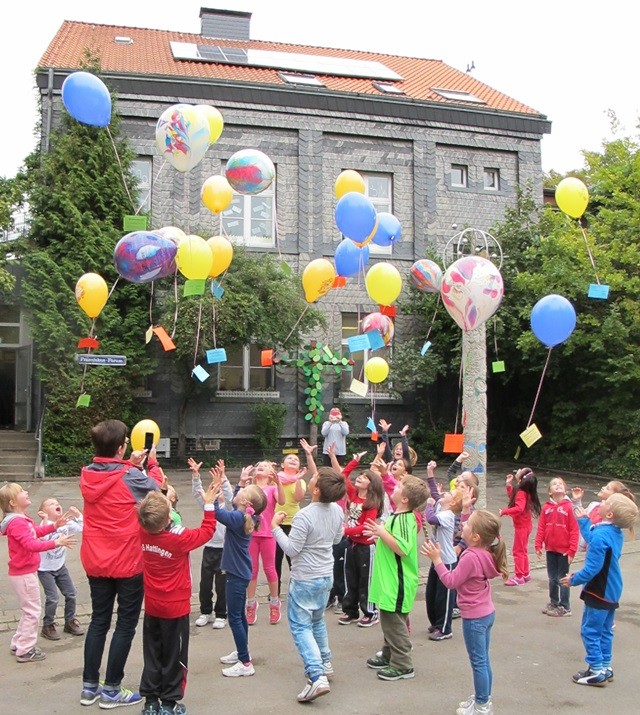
(331, 603)
(50, 632)
(377, 662)
(551, 610)
(455, 613)
(73, 626)
(527, 578)
(31, 656)
(391, 673)
(468, 703)
(230, 659)
(328, 669)
(608, 674)
(368, 621)
(151, 708)
(219, 623)
(175, 709)
(481, 709)
(110, 699)
(203, 619)
(90, 694)
(13, 649)
(275, 613)
(338, 607)
(345, 619)
(431, 629)
(314, 690)
(252, 612)
(438, 635)
(549, 607)
(515, 581)
(591, 677)
(239, 670)
(562, 611)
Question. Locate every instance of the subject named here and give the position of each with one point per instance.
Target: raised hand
(509, 478)
(213, 492)
(75, 513)
(384, 425)
(308, 448)
(577, 493)
(431, 467)
(194, 467)
(461, 457)
(246, 475)
(278, 518)
(372, 528)
(64, 519)
(431, 549)
(67, 541)
(404, 430)
(380, 449)
(359, 455)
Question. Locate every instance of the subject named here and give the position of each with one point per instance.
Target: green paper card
(193, 286)
(83, 401)
(497, 366)
(134, 222)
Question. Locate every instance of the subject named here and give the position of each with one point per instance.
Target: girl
(483, 559)
(294, 488)
(236, 562)
(401, 449)
(523, 503)
(592, 510)
(25, 546)
(263, 543)
(365, 499)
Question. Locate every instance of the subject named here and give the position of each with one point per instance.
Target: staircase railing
(39, 471)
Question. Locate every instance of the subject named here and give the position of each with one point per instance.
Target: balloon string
(175, 297)
(144, 200)
(296, 324)
(535, 402)
(458, 407)
(151, 305)
(433, 320)
(113, 287)
(277, 232)
(84, 374)
(93, 326)
(195, 353)
(124, 181)
(593, 263)
(373, 403)
(495, 335)
(213, 321)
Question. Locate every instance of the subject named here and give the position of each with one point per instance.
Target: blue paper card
(358, 343)
(217, 291)
(424, 348)
(598, 291)
(371, 425)
(216, 355)
(375, 339)
(200, 373)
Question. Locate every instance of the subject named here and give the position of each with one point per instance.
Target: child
(167, 599)
(592, 509)
(25, 545)
(401, 449)
(54, 574)
(558, 532)
(335, 431)
(365, 500)
(394, 581)
(314, 531)
(294, 488)
(523, 502)
(236, 562)
(602, 581)
(482, 560)
(210, 567)
(263, 544)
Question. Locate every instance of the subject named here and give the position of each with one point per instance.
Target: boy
(602, 581)
(394, 581)
(314, 531)
(167, 599)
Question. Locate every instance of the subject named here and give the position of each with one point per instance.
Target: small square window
(459, 175)
(492, 179)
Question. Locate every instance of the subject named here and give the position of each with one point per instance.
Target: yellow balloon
(216, 193)
(222, 252)
(317, 279)
(214, 118)
(572, 197)
(92, 293)
(376, 369)
(140, 430)
(383, 283)
(348, 180)
(194, 258)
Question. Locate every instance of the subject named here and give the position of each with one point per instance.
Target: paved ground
(533, 655)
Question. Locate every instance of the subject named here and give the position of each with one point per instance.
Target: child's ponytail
(258, 500)
(499, 552)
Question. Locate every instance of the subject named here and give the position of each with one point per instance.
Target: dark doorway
(7, 388)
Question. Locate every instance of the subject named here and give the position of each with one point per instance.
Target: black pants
(280, 555)
(358, 561)
(165, 648)
(439, 601)
(211, 570)
(339, 555)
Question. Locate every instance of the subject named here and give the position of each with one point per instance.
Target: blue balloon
(389, 230)
(553, 319)
(355, 216)
(87, 99)
(350, 259)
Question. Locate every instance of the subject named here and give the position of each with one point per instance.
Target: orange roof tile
(150, 54)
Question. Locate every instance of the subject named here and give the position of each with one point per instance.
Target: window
(459, 175)
(492, 179)
(142, 169)
(350, 327)
(242, 371)
(249, 220)
(458, 96)
(378, 188)
(9, 324)
(388, 88)
(308, 80)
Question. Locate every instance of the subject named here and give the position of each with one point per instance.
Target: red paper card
(389, 310)
(89, 343)
(266, 358)
(164, 338)
(339, 282)
(374, 436)
(453, 443)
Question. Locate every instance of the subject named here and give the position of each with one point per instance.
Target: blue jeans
(477, 637)
(306, 602)
(597, 636)
(236, 591)
(104, 591)
(557, 568)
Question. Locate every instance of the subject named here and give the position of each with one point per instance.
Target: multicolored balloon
(471, 291)
(426, 276)
(249, 171)
(382, 323)
(144, 256)
(182, 136)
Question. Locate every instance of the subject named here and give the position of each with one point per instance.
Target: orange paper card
(389, 310)
(266, 358)
(339, 282)
(164, 338)
(89, 343)
(453, 443)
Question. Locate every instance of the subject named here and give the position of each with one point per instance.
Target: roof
(150, 54)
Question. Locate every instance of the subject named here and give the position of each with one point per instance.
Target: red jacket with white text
(558, 528)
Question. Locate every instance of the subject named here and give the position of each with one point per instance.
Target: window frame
(464, 172)
(247, 239)
(246, 368)
(380, 205)
(143, 207)
(386, 352)
(491, 171)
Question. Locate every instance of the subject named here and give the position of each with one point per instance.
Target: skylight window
(123, 40)
(388, 88)
(458, 95)
(309, 80)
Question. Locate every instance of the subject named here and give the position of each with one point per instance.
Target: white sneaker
(328, 669)
(219, 623)
(238, 670)
(230, 659)
(314, 690)
(203, 619)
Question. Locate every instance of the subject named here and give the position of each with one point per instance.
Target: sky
(571, 61)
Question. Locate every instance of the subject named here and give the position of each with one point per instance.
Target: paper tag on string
(453, 443)
(290, 450)
(425, 347)
(374, 436)
(164, 338)
(83, 401)
(531, 435)
(375, 339)
(497, 366)
(358, 343)
(371, 425)
(266, 358)
(148, 335)
(598, 291)
(193, 286)
(359, 388)
(134, 222)
(200, 373)
(217, 291)
(388, 310)
(88, 343)
(216, 355)
(516, 456)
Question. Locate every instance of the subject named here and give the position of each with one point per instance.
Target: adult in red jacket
(111, 555)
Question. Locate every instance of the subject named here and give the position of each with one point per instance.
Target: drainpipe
(49, 110)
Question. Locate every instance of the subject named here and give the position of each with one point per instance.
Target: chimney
(225, 24)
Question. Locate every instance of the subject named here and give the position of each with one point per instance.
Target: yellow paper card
(148, 335)
(291, 450)
(358, 387)
(531, 435)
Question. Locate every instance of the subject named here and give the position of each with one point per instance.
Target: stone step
(17, 458)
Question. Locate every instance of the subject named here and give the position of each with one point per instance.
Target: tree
(11, 198)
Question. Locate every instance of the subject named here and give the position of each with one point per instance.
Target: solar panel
(234, 55)
(210, 53)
